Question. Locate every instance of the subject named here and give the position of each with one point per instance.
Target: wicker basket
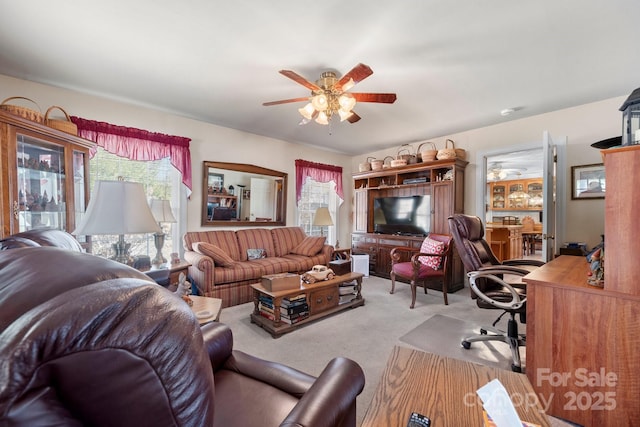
(385, 164)
(64, 125)
(376, 165)
(366, 166)
(447, 152)
(27, 113)
(406, 149)
(428, 155)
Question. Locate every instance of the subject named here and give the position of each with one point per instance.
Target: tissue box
(280, 282)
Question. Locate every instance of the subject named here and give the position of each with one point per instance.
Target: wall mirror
(241, 195)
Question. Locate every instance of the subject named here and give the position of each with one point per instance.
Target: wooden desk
(444, 390)
(583, 344)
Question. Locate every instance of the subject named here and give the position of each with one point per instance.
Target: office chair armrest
(530, 262)
(505, 269)
(515, 304)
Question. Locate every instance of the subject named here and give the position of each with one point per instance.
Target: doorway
(539, 162)
(514, 196)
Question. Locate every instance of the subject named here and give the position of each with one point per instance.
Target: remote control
(418, 420)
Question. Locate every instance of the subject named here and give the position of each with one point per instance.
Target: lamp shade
(322, 217)
(117, 207)
(161, 210)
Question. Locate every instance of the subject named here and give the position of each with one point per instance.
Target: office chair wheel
(483, 331)
(466, 345)
(515, 368)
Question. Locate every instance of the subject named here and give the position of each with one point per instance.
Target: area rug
(436, 333)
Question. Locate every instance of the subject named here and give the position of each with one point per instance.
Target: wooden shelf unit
(443, 181)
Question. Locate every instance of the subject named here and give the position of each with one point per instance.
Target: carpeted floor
(367, 334)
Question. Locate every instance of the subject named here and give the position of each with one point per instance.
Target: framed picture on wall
(588, 182)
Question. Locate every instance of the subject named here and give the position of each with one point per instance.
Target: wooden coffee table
(322, 297)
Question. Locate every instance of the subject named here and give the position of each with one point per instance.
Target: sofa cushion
(304, 263)
(255, 238)
(240, 271)
(310, 246)
(224, 239)
(219, 256)
(286, 238)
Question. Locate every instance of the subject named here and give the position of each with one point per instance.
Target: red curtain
(138, 144)
(318, 172)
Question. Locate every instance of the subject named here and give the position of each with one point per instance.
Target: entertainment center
(389, 211)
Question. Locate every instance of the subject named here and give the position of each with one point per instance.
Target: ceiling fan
(329, 95)
(496, 172)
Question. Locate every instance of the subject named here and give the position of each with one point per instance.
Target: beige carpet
(443, 334)
(365, 334)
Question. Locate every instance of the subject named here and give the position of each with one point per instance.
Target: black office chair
(492, 283)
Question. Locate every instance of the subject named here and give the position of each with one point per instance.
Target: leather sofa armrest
(285, 378)
(218, 342)
(332, 397)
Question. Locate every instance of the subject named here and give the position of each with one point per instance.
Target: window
(160, 181)
(314, 195)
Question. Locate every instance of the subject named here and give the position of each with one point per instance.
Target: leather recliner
(88, 341)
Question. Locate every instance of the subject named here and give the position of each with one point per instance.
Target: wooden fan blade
(353, 118)
(285, 101)
(299, 79)
(357, 73)
(386, 98)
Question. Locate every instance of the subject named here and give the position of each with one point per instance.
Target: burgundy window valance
(318, 172)
(138, 144)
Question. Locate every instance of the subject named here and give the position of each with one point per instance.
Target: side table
(205, 305)
(174, 273)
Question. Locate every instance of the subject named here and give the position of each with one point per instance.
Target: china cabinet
(44, 178)
(516, 195)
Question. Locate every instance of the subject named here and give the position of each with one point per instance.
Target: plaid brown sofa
(231, 283)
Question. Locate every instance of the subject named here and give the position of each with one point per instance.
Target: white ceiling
(454, 64)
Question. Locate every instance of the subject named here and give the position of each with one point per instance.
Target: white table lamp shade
(117, 207)
(322, 217)
(161, 210)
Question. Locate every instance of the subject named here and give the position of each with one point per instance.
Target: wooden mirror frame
(280, 209)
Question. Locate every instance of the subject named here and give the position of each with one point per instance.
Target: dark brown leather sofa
(88, 341)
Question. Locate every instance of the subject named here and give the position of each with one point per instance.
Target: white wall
(208, 143)
(582, 126)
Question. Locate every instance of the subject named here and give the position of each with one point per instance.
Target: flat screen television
(405, 215)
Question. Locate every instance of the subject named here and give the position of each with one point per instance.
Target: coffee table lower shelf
(321, 297)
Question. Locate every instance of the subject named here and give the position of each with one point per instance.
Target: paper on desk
(497, 403)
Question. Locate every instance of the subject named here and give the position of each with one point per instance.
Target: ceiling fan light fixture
(344, 115)
(320, 102)
(346, 101)
(322, 118)
(307, 111)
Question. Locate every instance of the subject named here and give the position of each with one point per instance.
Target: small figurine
(596, 273)
(184, 289)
